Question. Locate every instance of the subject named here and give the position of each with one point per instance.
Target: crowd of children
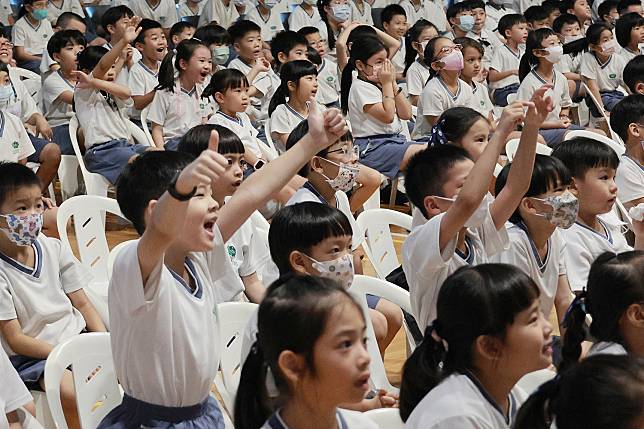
(513, 129)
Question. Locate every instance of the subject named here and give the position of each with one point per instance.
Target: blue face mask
(40, 14)
(341, 12)
(466, 22)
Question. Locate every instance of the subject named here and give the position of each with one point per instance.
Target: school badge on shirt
(15, 147)
(232, 252)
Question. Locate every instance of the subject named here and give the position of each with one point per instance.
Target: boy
(552, 9)
(607, 12)
(634, 75)
(628, 6)
(460, 18)
(328, 80)
(218, 41)
(115, 21)
(579, 8)
(504, 66)
(495, 10)
(472, 58)
(162, 11)
(536, 17)
(181, 30)
(288, 46)
(592, 165)
(190, 8)
(463, 228)
(29, 37)
(41, 285)
(221, 12)
(568, 28)
(394, 23)
(161, 299)
(480, 33)
(268, 18)
(55, 8)
(143, 77)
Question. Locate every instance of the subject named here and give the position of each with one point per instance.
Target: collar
(36, 27)
(65, 80)
(542, 80)
(602, 65)
(230, 118)
(192, 274)
(147, 69)
(535, 252)
(633, 160)
(458, 89)
(309, 186)
(36, 270)
(516, 55)
(495, 6)
(293, 111)
(468, 255)
(512, 402)
(608, 236)
(2, 122)
(152, 7)
(62, 3)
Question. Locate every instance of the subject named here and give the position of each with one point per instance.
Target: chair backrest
(97, 389)
(95, 184)
(617, 147)
(512, 145)
(386, 418)
(31, 80)
(599, 104)
(378, 242)
(139, 135)
(144, 124)
(268, 149)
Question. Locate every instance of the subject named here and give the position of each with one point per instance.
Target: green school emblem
(273, 27)
(232, 252)
(330, 79)
(15, 146)
(612, 75)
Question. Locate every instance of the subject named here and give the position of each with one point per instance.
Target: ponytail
(345, 84)
(185, 49)
(534, 41)
(330, 38)
(536, 411)
(252, 406)
(278, 98)
(576, 332)
(166, 73)
(291, 71)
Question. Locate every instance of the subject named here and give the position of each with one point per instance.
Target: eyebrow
(346, 332)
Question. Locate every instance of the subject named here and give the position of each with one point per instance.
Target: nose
(213, 205)
(613, 187)
(547, 327)
(363, 356)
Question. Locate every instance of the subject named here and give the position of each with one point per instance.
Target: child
(115, 22)
(361, 12)
(394, 22)
(166, 363)
(431, 11)
(600, 392)
(568, 29)
(355, 31)
(30, 34)
(288, 46)
(463, 127)
(55, 8)
(218, 40)
(460, 18)
(449, 190)
(592, 166)
(634, 75)
(306, 14)
(504, 66)
(629, 6)
(177, 105)
(536, 17)
(416, 71)
(14, 395)
(268, 17)
(536, 244)
(495, 10)
(579, 8)
(488, 333)
(314, 366)
(607, 12)
(627, 120)
(43, 302)
(180, 31)
(328, 82)
(376, 105)
(629, 32)
(162, 11)
(473, 54)
(480, 33)
(221, 12)
(190, 8)
(335, 15)
(144, 75)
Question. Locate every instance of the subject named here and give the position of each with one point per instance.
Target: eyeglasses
(7, 45)
(346, 150)
(448, 49)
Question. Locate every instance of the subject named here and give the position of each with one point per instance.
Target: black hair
(634, 73)
(224, 80)
(604, 391)
(89, 57)
(178, 28)
(146, 179)
(66, 17)
(145, 25)
(565, 19)
(508, 21)
(185, 50)
(629, 110)
(548, 173)
(302, 226)
(455, 122)
(14, 176)
(284, 42)
(535, 13)
(23, 10)
(614, 283)
(476, 4)
(291, 71)
(313, 56)
(308, 30)
(623, 5)
(113, 14)
(5, 32)
(625, 24)
(594, 32)
(330, 38)
(550, 6)
(390, 11)
(359, 32)
(212, 34)
(197, 138)
(534, 41)
(474, 301)
(412, 36)
(241, 28)
(605, 8)
(457, 8)
(362, 49)
(429, 56)
(427, 172)
(468, 42)
(62, 38)
(580, 154)
(299, 132)
(293, 316)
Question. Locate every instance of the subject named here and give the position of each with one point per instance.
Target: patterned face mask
(346, 178)
(23, 230)
(564, 209)
(340, 269)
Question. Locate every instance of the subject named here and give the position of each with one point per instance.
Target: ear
(281, 57)
(639, 88)
(291, 85)
(139, 46)
(292, 366)
(175, 40)
(110, 29)
(634, 129)
(56, 57)
(634, 314)
(431, 206)
(236, 46)
(527, 205)
(316, 165)
(437, 65)
(183, 64)
(385, 25)
(219, 97)
(488, 347)
(573, 187)
(147, 214)
(298, 262)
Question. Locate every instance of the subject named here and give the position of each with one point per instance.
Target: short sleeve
(497, 60)
(368, 94)
(630, 181)
(588, 69)
(53, 87)
(7, 309)
(432, 101)
(566, 101)
(77, 8)
(26, 148)
(172, 16)
(415, 81)
(421, 249)
(579, 259)
(217, 259)
(561, 257)
(13, 392)
(27, 104)
(136, 82)
(263, 83)
(159, 107)
(279, 121)
(73, 275)
(18, 35)
(526, 90)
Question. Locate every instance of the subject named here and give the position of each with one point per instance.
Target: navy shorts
(31, 65)
(108, 159)
(38, 144)
(29, 369)
(555, 136)
(500, 96)
(62, 139)
(611, 98)
(383, 153)
(372, 301)
(172, 144)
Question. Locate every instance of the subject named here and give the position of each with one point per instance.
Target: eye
(346, 344)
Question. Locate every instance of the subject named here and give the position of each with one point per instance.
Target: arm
(370, 180)
(391, 43)
(403, 106)
(281, 137)
(413, 99)
(91, 81)
(260, 65)
(80, 301)
(572, 76)
(66, 97)
(23, 55)
(495, 76)
(341, 51)
(14, 421)
(142, 101)
(157, 135)
(638, 230)
(563, 298)
(386, 110)
(594, 88)
(254, 288)
(23, 344)
(108, 60)
(42, 126)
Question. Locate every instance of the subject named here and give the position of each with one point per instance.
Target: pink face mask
(453, 61)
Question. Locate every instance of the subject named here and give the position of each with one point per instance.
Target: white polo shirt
(57, 112)
(165, 13)
(5, 12)
(284, 120)
(363, 124)
(33, 38)
(270, 26)
(481, 99)
(417, 76)
(266, 82)
(184, 10)
(435, 99)
(21, 103)
(300, 18)
(363, 16)
(67, 6)
(178, 111)
(629, 179)
(493, 15)
(490, 41)
(559, 94)
(608, 75)
(142, 80)
(504, 59)
(216, 10)
(328, 82)
(14, 141)
(241, 126)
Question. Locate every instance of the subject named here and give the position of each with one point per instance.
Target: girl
(488, 334)
(31, 33)
(177, 105)
(629, 32)
(416, 71)
(601, 68)
(335, 14)
(601, 392)
(463, 127)
(355, 31)
(299, 84)
(361, 12)
(473, 52)
(615, 300)
(310, 354)
(444, 88)
(218, 41)
(375, 105)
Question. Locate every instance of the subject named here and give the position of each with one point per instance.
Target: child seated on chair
(42, 301)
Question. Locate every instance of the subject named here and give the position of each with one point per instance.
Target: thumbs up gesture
(203, 170)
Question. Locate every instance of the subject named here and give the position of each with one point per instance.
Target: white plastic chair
(68, 176)
(617, 147)
(378, 242)
(97, 389)
(512, 145)
(95, 184)
(31, 80)
(43, 415)
(386, 418)
(144, 124)
(139, 135)
(599, 104)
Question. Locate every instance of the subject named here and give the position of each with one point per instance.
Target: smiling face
(154, 45)
(198, 67)
(397, 27)
(6, 50)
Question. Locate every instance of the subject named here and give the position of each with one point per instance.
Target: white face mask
(570, 39)
(554, 53)
(6, 91)
(340, 269)
(564, 209)
(480, 214)
(610, 47)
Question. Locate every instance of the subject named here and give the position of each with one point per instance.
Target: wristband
(172, 189)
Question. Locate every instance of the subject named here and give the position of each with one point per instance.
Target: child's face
(199, 65)
(307, 87)
(455, 179)
(198, 227)
(372, 68)
(23, 201)
(6, 50)
(546, 43)
(250, 46)
(518, 33)
(581, 9)
(342, 152)
(442, 48)
(605, 36)
(553, 15)
(228, 182)
(637, 8)
(397, 27)
(531, 206)
(479, 19)
(40, 4)
(154, 45)
(4, 78)
(317, 42)
(612, 16)
(187, 33)
(476, 139)
(597, 190)
(425, 36)
(67, 56)
(297, 53)
(234, 99)
(471, 63)
(329, 249)
(535, 25)
(570, 30)
(637, 34)
(110, 76)
(118, 29)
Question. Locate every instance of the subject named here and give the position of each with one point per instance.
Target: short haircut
(224, 80)
(295, 136)
(580, 154)
(605, 8)
(14, 176)
(390, 11)
(197, 138)
(178, 28)
(66, 17)
(306, 31)
(213, 34)
(145, 25)
(564, 19)
(241, 28)
(508, 21)
(476, 4)
(62, 38)
(146, 179)
(428, 170)
(624, 26)
(89, 57)
(629, 110)
(535, 13)
(634, 73)
(113, 14)
(468, 42)
(285, 41)
(5, 32)
(623, 5)
(457, 8)
(551, 6)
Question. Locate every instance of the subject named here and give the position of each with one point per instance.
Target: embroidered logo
(330, 79)
(612, 75)
(232, 252)
(15, 146)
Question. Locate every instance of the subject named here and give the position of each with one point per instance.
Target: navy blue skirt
(29, 369)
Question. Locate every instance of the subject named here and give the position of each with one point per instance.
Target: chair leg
(393, 193)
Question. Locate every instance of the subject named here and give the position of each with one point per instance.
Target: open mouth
(209, 226)
(363, 382)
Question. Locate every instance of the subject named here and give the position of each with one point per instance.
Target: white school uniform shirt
(503, 59)
(33, 38)
(53, 11)
(178, 111)
(300, 18)
(569, 64)
(13, 392)
(284, 120)
(14, 141)
(429, 10)
(363, 124)
(5, 12)
(435, 99)
(56, 112)
(165, 338)
(184, 10)
(461, 402)
(398, 59)
(608, 76)
(242, 126)
(141, 81)
(363, 16)
(559, 94)
(628, 55)
(265, 82)
(21, 103)
(216, 10)
(606, 348)
(490, 42)
(346, 419)
(493, 15)
(270, 26)
(165, 13)
(37, 296)
(629, 179)
(426, 267)
(523, 254)
(417, 76)
(328, 82)
(584, 245)
(481, 99)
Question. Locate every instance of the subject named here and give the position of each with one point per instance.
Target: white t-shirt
(503, 59)
(363, 16)
(481, 99)
(13, 393)
(270, 26)
(429, 10)
(628, 55)
(141, 81)
(461, 402)
(184, 10)
(398, 59)
(490, 41)
(559, 94)
(584, 245)
(284, 120)
(241, 126)
(165, 338)
(37, 296)
(216, 10)
(67, 6)
(21, 103)
(629, 179)
(165, 13)
(606, 348)
(265, 82)
(346, 419)
(435, 99)
(426, 267)
(363, 124)
(569, 64)
(328, 82)
(300, 18)
(14, 141)
(178, 111)
(608, 76)
(57, 112)
(493, 15)
(417, 76)
(5, 12)
(33, 39)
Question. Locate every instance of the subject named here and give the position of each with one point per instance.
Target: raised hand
(326, 127)
(261, 64)
(131, 32)
(83, 80)
(513, 114)
(387, 73)
(209, 166)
